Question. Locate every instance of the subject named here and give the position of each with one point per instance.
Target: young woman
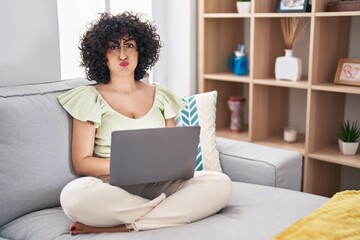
(117, 51)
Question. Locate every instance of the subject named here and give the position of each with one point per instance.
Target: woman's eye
(113, 47)
(129, 45)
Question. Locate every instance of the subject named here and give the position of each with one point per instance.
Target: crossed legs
(95, 206)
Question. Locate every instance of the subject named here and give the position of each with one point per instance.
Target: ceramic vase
(243, 7)
(348, 148)
(288, 67)
(236, 107)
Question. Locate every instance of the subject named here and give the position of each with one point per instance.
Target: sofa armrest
(253, 163)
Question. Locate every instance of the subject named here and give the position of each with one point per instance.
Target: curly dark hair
(110, 28)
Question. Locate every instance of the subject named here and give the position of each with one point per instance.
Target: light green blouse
(85, 103)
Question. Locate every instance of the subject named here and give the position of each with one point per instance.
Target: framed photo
(348, 72)
(291, 5)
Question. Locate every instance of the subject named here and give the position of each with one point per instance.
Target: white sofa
(35, 165)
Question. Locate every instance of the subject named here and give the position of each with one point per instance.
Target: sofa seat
(254, 212)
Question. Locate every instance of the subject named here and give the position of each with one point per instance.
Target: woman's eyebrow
(113, 43)
(128, 40)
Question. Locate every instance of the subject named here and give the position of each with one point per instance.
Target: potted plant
(348, 134)
(243, 6)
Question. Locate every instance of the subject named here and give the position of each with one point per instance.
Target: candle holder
(290, 134)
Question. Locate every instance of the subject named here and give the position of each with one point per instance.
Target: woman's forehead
(125, 38)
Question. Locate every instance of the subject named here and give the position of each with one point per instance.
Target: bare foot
(79, 228)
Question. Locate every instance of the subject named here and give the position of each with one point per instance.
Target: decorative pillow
(200, 110)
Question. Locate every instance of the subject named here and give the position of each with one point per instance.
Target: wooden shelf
(314, 104)
(226, 133)
(337, 14)
(227, 77)
(330, 87)
(227, 15)
(303, 84)
(278, 142)
(281, 15)
(333, 155)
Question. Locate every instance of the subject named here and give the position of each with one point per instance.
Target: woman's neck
(124, 84)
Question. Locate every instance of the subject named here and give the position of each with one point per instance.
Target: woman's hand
(170, 122)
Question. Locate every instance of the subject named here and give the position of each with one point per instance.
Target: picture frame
(348, 72)
(291, 5)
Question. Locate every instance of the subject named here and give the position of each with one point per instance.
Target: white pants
(146, 206)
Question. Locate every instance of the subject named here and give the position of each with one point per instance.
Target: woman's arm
(170, 122)
(83, 137)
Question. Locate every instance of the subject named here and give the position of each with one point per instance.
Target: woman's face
(122, 57)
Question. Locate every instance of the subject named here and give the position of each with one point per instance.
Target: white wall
(73, 16)
(176, 21)
(140, 6)
(29, 43)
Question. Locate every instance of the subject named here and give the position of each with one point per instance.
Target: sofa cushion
(200, 110)
(254, 163)
(254, 212)
(35, 147)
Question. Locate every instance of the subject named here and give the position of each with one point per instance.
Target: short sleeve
(83, 103)
(168, 102)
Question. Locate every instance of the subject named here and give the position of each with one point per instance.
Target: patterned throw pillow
(200, 110)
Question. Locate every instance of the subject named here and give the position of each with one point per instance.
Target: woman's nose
(122, 54)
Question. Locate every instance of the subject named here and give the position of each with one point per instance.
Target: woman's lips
(124, 64)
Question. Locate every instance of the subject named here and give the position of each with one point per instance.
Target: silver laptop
(153, 155)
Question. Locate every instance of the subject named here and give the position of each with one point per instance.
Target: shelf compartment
(219, 49)
(219, 6)
(326, 111)
(272, 46)
(302, 84)
(275, 108)
(226, 89)
(321, 6)
(226, 133)
(261, 6)
(268, 6)
(332, 154)
(321, 178)
(331, 38)
(227, 76)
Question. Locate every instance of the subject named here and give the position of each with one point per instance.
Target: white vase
(348, 148)
(243, 7)
(288, 67)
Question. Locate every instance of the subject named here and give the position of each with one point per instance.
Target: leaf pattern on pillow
(200, 110)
